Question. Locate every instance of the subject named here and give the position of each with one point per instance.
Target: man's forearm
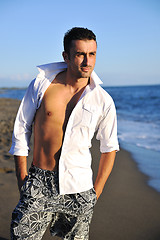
(105, 167)
(21, 169)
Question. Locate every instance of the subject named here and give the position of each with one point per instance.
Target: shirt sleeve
(23, 123)
(107, 131)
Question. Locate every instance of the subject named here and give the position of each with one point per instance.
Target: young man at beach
(67, 106)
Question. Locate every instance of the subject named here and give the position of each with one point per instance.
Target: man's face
(82, 58)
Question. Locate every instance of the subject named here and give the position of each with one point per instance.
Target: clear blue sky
(128, 34)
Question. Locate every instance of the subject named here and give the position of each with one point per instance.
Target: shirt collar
(56, 67)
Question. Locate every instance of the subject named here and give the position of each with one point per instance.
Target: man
(67, 106)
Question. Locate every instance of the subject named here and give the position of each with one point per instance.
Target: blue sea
(138, 112)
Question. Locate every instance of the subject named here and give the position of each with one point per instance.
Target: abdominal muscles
(48, 138)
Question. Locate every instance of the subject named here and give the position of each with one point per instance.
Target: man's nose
(86, 60)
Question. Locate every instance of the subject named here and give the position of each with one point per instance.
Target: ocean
(138, 113)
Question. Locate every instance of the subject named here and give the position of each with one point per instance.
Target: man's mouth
(85, 69)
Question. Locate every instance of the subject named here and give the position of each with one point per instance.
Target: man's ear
(65, 56)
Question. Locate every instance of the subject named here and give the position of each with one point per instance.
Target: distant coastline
(104, 86)
(12, 88)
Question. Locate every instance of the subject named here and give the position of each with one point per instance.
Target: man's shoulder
(100, 100)
(52, 67)
(104, 94)
(47, 73)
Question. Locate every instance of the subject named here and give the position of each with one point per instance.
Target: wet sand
(128, 209)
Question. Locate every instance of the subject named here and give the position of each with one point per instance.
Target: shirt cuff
(18, 152)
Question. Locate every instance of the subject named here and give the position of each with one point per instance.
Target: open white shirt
(95, 111)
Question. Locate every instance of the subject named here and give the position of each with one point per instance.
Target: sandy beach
(128, 209)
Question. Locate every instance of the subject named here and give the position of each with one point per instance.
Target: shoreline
(127, 209)
(147, 161)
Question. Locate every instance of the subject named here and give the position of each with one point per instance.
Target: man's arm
(21, 169)
(23, 122)
(104, 170)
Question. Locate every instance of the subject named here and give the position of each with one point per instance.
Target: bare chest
(57, 106)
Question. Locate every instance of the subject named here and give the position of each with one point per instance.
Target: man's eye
(80, 54)
(92, 54)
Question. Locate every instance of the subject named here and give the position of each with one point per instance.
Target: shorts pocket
(88, 199)
(94, 192)
(24, 184)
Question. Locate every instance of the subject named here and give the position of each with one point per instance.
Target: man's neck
(76, 84)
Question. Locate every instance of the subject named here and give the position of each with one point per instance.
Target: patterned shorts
(40, 204)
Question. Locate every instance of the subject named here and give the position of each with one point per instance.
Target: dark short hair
(77, 33)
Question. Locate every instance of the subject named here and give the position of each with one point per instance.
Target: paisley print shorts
(40, 204)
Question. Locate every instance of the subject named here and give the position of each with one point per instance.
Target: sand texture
(128, 209)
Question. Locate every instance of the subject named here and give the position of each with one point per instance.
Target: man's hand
(21, 182)
(21, 170)
(104, 170)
